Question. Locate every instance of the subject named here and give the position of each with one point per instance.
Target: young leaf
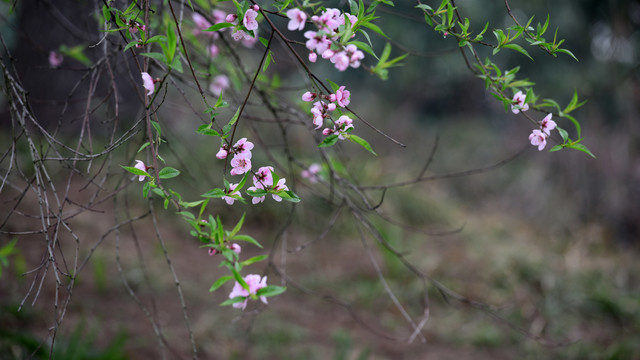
(271, 290)
(254, 259)
(362, 142)
(329, 141)
(220, 282)
(168, 173)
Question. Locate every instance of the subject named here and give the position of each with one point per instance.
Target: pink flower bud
(55, 59)
(255, 7)
(222, 153)
(231, 18)
(328, 54)
(313, 57)
(236, 248)
(308, 96)
(212, 251)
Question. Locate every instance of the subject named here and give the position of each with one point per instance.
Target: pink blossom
(354, 55)
(240, 165)
(547, 125)
(249, 40)
(219, 17)
(518, 103)
(329, 20)
(256, 199)
(242, 148)
(238, 35)
(141, 166)
(308, 96)
(148, 83)
(219, 83)
(316, 42)
(255, 283)
(343, 124)
(249, 20)
(212, 251)
(297, 19)
(236, 248)
(279, 187)
(263, 177)
(341, 96)
(311, 173)
(213, 50)
(538, 138)
(327, 54)
(318, 117)
(341, 61)
(230, 200)
(223, 152)
(352, 19)
(313, 57)
(231, 18)
(55, 59)
(201, 23)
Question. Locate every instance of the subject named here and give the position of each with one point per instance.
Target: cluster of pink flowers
(241, 163)
(248, 39)
(539, 136)
(255, 282)
(263, 180)
(323, 42)
(241, 151)
(322, 110)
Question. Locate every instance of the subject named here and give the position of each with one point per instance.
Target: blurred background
(547, 242)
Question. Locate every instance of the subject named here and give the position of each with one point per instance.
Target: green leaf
(375, 28)
(235, 117)
(234, 300)
(186, 214)
(130, 45)
(288, 195)
(135, 171)
(168, 173)
(246, 238)
(271, 290)
(519, 49)
(563, 134)
(207, 130)
(582, 148)
(362, 142)
(239, 278)
(556, 148)
(237, 228)
(363, 46)
(143, 146)
(171, 43)
(156, 56)
(221, 281)
(214, 193)
(219, 26)
(254, 259)
(565, 51)
(145, 190)
(575, 123)
(329, 141)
